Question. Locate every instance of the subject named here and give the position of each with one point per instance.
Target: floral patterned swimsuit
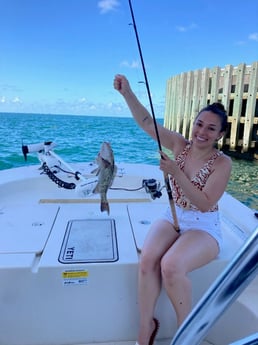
(188, 215)
(199, 180)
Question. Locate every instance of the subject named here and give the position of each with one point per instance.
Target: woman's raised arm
(169, 139)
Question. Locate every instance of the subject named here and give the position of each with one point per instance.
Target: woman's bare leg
(160, 237)
(192, 250)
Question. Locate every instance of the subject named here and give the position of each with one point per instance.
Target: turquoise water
(78, 139)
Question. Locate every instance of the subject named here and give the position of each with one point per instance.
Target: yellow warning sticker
(75, 277)
(75, 274)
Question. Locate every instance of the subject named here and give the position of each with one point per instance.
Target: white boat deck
(102, 306)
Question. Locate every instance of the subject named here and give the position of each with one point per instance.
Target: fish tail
(104, 206)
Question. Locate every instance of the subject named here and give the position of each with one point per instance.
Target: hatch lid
(25, 229)
(89, 240)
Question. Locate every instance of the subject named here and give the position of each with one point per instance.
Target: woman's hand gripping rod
(166, 177)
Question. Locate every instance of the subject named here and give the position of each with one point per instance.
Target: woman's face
(206, 128)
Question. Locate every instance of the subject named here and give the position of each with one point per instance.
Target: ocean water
(79, 138)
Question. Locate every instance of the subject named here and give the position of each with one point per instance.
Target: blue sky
(60, 56)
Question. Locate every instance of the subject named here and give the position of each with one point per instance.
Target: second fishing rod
(166, 177)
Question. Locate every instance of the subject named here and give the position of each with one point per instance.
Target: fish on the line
(106, 172)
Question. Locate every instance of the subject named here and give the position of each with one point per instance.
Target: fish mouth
(106, 153)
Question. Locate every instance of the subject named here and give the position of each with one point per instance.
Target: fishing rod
(166, 178)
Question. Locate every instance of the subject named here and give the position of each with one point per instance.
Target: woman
(199, 176)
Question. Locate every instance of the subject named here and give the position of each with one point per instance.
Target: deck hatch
(89, 240)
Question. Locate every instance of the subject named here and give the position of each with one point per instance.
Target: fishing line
(166, 178)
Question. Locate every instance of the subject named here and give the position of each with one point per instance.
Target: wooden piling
(235, 87)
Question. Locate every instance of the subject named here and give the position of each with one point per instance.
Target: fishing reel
(151, 186)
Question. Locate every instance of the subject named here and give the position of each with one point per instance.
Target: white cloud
(110, 105)
(253, 36)
(182, 28)
(108, 5)
(82, 100)
(2, 99)
(240, 43)
(133, 64)
(16, 100)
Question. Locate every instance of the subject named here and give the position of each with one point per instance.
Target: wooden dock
(235, 87)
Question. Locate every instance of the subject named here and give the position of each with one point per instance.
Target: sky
(61, 56)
